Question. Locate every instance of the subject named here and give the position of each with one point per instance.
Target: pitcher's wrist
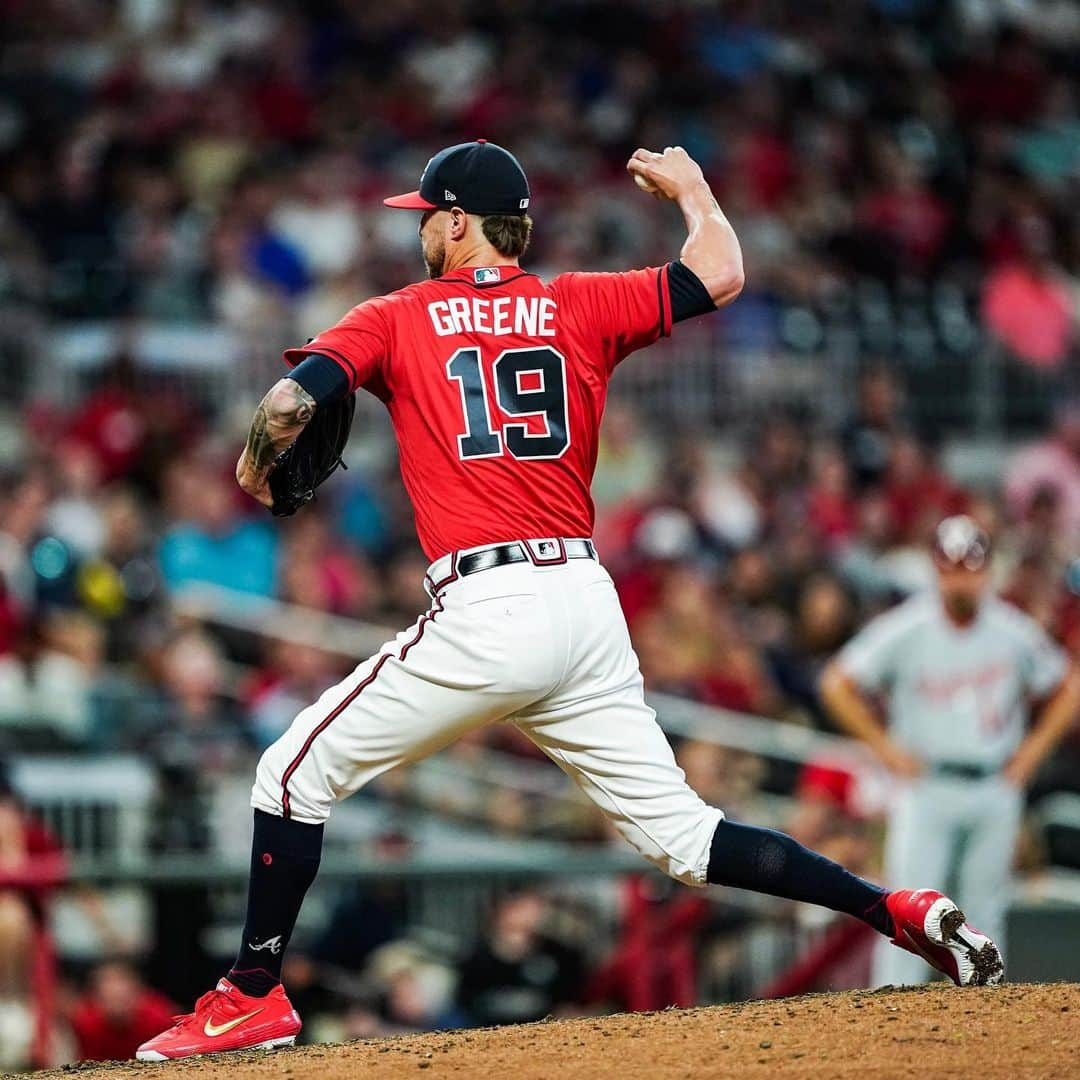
(698, 193)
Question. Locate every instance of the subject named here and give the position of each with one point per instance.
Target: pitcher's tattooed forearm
(279, 419)
(260, 447)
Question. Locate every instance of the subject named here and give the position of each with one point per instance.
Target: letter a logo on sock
(273, 944)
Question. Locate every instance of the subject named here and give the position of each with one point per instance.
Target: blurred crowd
(906, 170)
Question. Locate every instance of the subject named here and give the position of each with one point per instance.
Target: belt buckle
(550, 551)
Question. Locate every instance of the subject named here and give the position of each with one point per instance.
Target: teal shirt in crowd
(244, 558)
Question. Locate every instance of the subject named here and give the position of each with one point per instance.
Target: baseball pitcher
(957, 670)
(495, 382)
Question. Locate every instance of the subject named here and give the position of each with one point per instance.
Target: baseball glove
(299, 469)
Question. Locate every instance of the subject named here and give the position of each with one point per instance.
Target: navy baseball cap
(479, 177)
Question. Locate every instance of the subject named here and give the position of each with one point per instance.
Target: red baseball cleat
(932, 926)
(226, 1019)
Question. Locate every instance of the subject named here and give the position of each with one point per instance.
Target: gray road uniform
(958, 698)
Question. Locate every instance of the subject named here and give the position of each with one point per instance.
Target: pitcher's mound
(1003, 1032)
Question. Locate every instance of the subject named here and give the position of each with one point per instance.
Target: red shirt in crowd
(34, 862)
(1031, 313)
(102, 1038)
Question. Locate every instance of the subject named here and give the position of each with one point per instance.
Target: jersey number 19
(528, 382)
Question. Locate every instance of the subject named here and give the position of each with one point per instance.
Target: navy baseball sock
(284, 860)
(766, 861)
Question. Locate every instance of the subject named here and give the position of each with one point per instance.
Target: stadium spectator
(1051, 465)
(191, 723)
(211, 542)
(831, 507)
(294, 676)
(31, 866)
(917, 491)
(47, 681)
(868, 436)
(823, 621)
(117, 1013)
(518, 974)
(626, 463)
(903, 215)
(1028, 303)
(318, 570)
(109, 423)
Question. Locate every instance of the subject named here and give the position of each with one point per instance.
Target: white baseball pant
(958, 836)
(543, 645)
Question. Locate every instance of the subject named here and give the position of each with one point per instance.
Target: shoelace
(207, 1000)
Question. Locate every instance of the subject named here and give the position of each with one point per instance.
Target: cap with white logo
(961, 541)
(479, 177)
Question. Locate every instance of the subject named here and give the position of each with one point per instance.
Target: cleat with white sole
(932, 926)
(226, 1019)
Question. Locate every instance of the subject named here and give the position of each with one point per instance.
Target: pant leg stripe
(347, 701)
(424, 620)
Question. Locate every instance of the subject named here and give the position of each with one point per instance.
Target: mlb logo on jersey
(548, 552)
(484, 274)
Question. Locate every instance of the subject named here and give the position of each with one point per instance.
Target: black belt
(505, 554)
(960, 771)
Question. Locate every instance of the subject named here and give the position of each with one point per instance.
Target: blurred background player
(957, 670)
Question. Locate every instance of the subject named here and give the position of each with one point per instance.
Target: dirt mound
(937, 1031)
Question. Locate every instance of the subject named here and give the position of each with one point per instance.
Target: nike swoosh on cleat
(213, 1030)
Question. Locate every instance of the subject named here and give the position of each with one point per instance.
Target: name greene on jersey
(526, 316)
(495, 383)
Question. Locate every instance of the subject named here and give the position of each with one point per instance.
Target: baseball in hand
(646, 184)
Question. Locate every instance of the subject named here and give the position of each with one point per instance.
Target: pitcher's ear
(459, 223)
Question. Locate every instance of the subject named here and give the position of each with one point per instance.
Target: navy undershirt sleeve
(689, 297)
(324, 379)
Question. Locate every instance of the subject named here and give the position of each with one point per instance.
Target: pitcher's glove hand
(299, 469)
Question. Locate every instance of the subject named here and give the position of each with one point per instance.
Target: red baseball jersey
(496, 384)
